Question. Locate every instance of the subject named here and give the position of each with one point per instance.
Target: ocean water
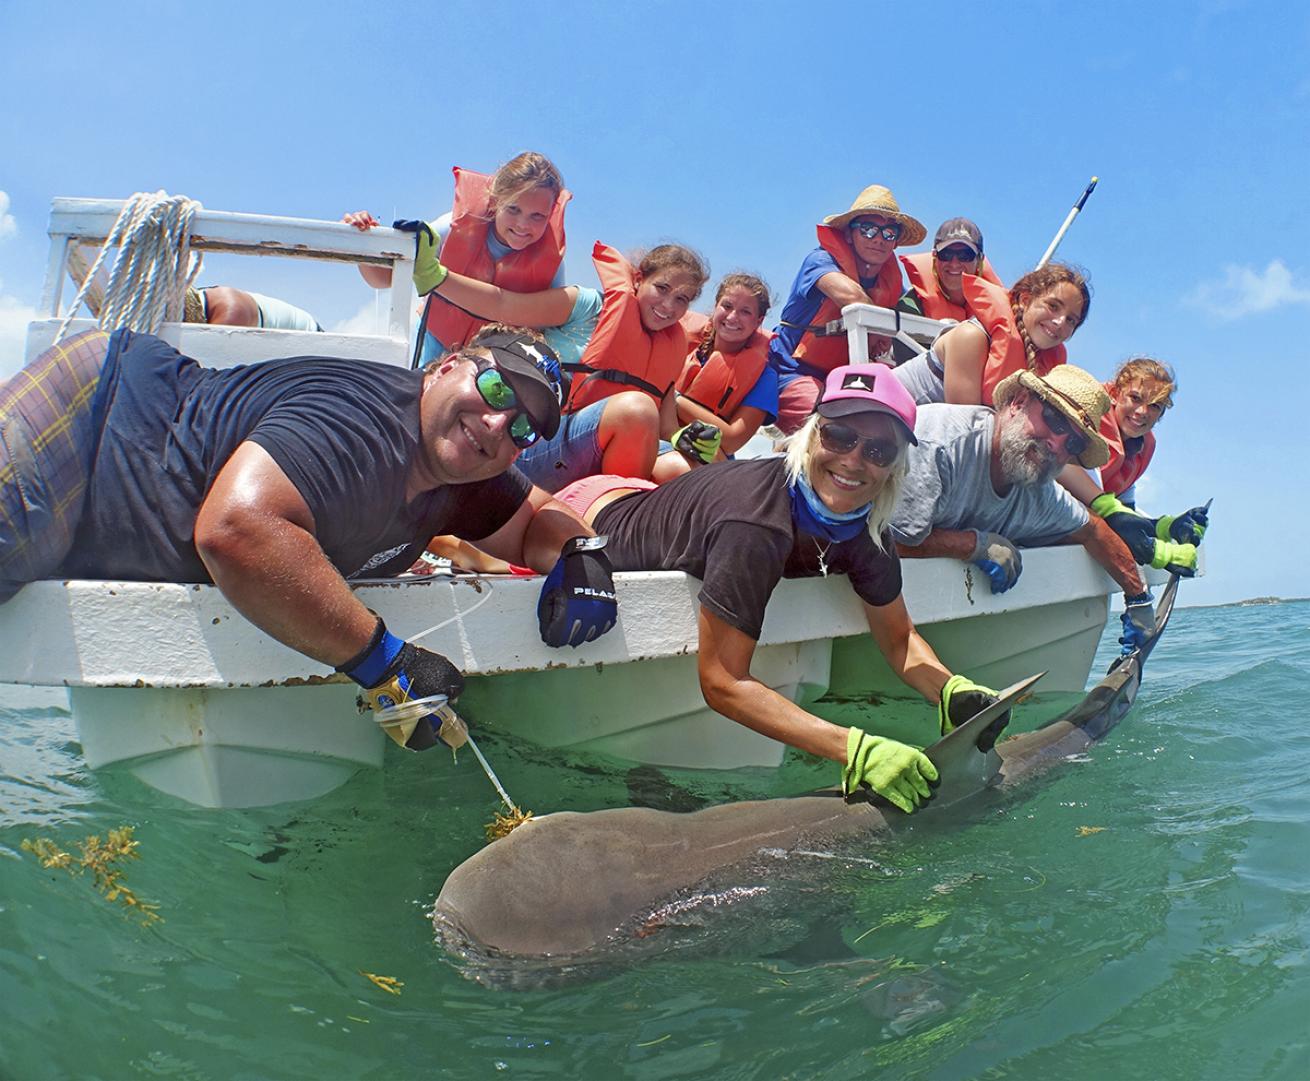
(1143, 912)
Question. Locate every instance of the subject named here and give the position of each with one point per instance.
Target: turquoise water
(1173, 942)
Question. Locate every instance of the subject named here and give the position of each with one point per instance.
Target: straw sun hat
(1075, 393)
(875, 199)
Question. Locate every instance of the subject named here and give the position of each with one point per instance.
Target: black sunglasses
(840, 439)
(871, 230)
(957, 255)
(1060, 425)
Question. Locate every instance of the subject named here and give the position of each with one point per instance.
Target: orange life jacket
(990, 305)
(465, 251)
(622, 354)
(829, 353)
(1120, 473)
(922, 276)
(721, 383)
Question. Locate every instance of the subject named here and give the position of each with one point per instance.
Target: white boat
(169, 681)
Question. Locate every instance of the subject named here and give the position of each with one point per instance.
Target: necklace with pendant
(823, 552)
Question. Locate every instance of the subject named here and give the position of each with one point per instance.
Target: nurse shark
(573, 888)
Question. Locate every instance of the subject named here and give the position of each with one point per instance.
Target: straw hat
(1075, 393)
(875, 199)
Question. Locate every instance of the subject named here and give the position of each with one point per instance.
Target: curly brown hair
(1039, 282)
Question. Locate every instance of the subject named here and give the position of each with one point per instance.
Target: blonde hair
(1148, 370)
(525, 172)
(800, 449)
(759, 291)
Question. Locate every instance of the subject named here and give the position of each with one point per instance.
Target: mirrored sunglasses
(840, 439)
(871, 230)
(498, 394)
(1060, 425)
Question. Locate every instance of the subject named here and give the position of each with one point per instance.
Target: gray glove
(999, 559)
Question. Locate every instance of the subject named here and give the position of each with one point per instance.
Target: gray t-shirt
(949, 485)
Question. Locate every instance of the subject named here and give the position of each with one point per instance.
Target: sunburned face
(951, 270)
(876, 250)
(1052, 317)
(846, 482)
(664, 296)
(522, 220)
(736, 317)
(1137, 407)
(464, 439)
(1031, 454)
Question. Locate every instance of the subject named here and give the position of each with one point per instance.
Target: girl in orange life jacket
(727, 381)
(936, 288)
(621, 396)
(853, 264)
(1024, 330)
(506, 229)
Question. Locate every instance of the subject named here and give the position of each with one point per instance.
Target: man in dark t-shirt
(279, 480)
(742, 526)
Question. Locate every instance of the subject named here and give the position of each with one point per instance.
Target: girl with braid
(1022, 331)
(727, 382)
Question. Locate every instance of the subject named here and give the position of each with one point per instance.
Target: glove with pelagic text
(1138, 621)
(577, 601)
(896, 771)
(428, 271)
(998, 558)
(698, 441)
(392, 672)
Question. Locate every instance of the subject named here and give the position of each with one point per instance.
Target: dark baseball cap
(533, 371)
(958, 231)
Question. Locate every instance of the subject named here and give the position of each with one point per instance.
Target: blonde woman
(742, 526)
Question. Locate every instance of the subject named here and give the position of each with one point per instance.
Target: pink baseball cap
(867, 388)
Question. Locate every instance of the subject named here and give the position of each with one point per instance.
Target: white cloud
(14, 317)
(370, 319)
(8, 227)
(1245, 291)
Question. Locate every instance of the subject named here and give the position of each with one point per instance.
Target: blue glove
(999, 559)
(577, 600)
(393, 671)
(1138, 621)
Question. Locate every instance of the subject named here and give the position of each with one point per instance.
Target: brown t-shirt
(730, 525)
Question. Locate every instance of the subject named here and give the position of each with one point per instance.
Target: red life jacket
(829, 353)
(922, 276)
(1120, 473)
(721, 383)
(990, 305)
(465, 251)
(622, 354)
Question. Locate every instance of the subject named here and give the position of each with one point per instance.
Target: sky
(734, 128)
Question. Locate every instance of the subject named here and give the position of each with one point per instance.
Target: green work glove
(962, 699)
(698, 441)
(896, 771)
(1136, 530)
(428, 271)
(1177, 559)
(1187, 528)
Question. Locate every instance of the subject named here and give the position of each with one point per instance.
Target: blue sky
(734, 128)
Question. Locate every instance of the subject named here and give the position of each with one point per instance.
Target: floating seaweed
(501, 824)
(389, 984)
(99, 857)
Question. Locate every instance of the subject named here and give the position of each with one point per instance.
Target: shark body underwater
(574, 888)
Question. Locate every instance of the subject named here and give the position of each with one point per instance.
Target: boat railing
(858, 321)
(78, 227)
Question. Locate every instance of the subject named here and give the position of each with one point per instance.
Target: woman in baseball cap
(742, 526)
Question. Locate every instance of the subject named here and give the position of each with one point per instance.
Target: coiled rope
(153, 268)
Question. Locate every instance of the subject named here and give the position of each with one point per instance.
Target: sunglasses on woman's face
(840, 439)
(871, 230)
(1060, 425)
(957, 255)
(498, 394)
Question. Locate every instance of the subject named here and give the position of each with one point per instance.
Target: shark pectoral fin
(964, 758)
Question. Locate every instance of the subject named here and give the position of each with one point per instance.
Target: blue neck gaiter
(811, 516)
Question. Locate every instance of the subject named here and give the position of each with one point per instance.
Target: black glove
(393, 671)
(577, 601)
(963, 699)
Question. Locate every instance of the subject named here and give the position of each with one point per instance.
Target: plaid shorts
(47, 440)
